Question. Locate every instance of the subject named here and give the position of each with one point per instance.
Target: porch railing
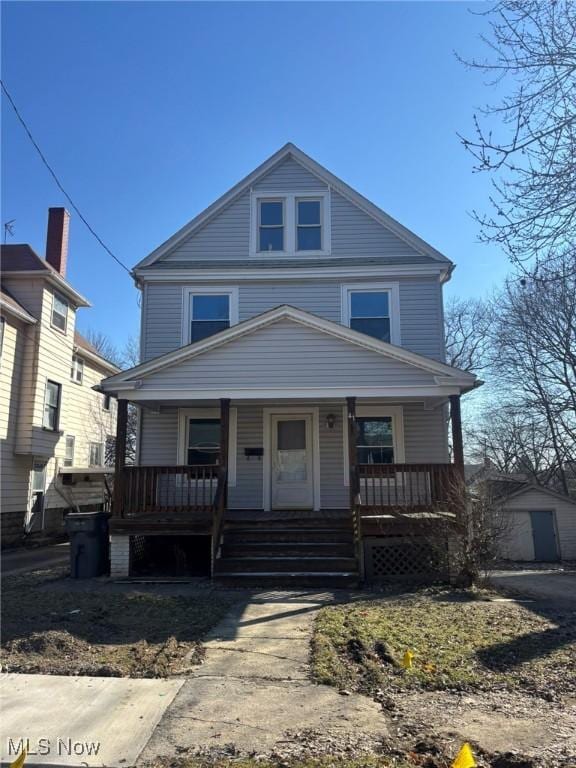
(405, 487)
(165, 490)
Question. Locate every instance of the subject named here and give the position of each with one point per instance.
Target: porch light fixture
(330, 421)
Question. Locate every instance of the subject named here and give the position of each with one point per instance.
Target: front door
(292, 484)
(544, 536)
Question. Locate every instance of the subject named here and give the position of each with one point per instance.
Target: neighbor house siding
(421, 324)
(534, 500)
(424, 435)
(287, 354)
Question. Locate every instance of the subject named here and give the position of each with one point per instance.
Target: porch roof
(288, 353)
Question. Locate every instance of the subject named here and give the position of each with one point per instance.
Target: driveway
(556, 585)
(23, 559)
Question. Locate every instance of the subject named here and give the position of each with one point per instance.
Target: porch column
(457, 442)
(224, 436)
(352, 432)
(120, 457)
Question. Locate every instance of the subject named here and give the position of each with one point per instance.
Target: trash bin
(88, 532)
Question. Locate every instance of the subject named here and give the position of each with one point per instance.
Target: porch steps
(314, 552)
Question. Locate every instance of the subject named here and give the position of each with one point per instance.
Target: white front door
(34, 520)
(292, 485)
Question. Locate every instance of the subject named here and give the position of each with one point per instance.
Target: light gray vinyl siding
(355, 233)
(420, 310)
(287, 354)
(290, 176)
(518, 540)
(424, 435)
(226, 236)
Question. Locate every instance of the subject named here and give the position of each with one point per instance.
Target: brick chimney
(57, 239)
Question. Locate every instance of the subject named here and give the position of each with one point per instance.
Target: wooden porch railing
(166, 490)
(405, 487)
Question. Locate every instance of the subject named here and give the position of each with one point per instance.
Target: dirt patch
(460, 641)
(98, 631)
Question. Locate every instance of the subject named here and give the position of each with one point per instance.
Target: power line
(57, 180)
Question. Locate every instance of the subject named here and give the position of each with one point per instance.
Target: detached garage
(541, 525)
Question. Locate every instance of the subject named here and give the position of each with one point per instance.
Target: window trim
(101, 445)
(282, 201)
(65, 459)
(310, 199)
(184, 416)
(393, 290)
(64, 300)
(74, 369)
(58, 406)
(107, 399)
(219, 290)
(365, 411)
(290, 221)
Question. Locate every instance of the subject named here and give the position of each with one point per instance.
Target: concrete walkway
(80, 721)
(254, 690)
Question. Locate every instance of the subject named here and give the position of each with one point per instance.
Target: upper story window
(59, 317)
(290, 223)
(107, 399)
(373, 310)
(208, 310)
(52, 398)
(95, 455)
(271, 225)
(308, 225)
(69, 454)
(77, 369)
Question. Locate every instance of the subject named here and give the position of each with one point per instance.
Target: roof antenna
(8, 229)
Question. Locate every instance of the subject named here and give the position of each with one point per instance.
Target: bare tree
(527, 139)
(467, 326)
(104, 346)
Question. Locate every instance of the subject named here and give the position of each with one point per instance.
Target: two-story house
(293, 392)
(53, 426)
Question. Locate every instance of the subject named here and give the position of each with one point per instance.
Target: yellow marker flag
(407, 660)
(19, 762)
(464, 758)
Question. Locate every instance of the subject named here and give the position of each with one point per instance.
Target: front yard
(54, 626)
(467, 641)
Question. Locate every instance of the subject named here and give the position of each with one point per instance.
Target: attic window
(271, 225)
(59, 312)
(309, 225)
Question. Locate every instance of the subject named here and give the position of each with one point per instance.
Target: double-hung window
(271, 225)
(308, 225)
(59, 312)
(95, 455)
(375, 440)
(209, 314)
(52, 397)
(69, 454)
(203, 441)
(372, 310)
(77, 369)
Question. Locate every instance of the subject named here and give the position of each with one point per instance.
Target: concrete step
(286, 548)
(252, 564)
(289, 579)
(255, 535)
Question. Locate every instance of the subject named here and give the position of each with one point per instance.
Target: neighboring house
(53, 426)
(293, 392)
(534, 523)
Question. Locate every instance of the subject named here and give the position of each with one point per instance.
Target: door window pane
(375, 441)
(203, 441)
(291, 451)
(291, 435)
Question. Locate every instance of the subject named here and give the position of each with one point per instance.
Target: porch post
(457, 443)
(224, 438)
(120, 457)
(352, 429)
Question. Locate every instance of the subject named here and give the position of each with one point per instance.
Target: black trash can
(88, 532)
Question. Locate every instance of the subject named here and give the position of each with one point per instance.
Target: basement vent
(398, 557)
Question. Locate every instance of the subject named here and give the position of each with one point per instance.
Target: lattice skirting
(402, 557)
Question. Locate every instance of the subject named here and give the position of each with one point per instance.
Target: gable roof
(89, 351)
(291, 151)
(21, 260)
(445, 374)
(529, 486)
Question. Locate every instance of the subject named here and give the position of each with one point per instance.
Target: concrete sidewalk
(80, 721)
(253, 689)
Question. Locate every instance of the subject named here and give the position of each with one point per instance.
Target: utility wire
(57, 180)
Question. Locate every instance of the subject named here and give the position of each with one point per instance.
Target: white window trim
(77, 364)
(393, 289)
(289, 199)
(66, 438)
(397, 414)
(184, 414)
(267, 445)
(59, 407)
(64, 300)
(219, 290)
(102, 451)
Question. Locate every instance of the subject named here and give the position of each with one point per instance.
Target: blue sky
(149, 111)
